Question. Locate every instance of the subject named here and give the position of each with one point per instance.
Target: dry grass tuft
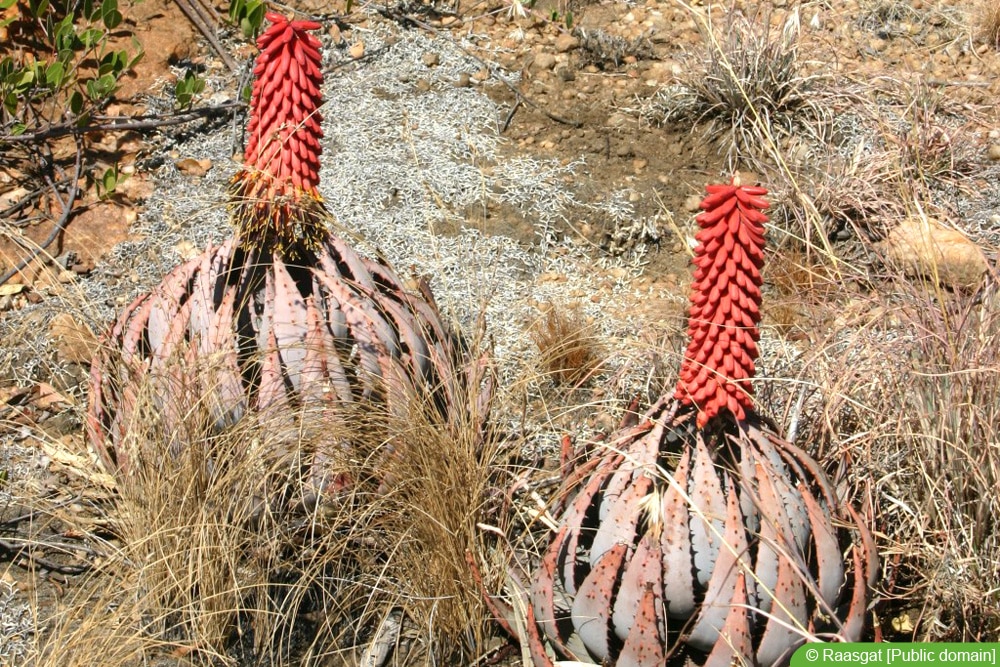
(750, 85)
(909, 398)
(240, 548)
(570, 352)
(989, 23)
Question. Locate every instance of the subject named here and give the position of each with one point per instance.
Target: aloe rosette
(285, 313)
(701, 536)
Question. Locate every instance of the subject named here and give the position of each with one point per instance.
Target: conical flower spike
(725, 303)
(274, 197)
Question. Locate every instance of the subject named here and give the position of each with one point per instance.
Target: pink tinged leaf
(370, 303)
(730, 564)
(577, 522)
(644, 646)
(592, 605)
(619, 525)
(709, 508)
(412, 334)
(202, 298)
(226, 380)
(773, 537)
(784, 629)
(318, 347)
(643, 576)
(373, 359)
(429, 316)
(165, 303)
(359, 276)
(545, 608)
(829, 565)
(335, 320)
(271, 390)
(289, 323)
(675, 545)
(734, 646)
(865, 570)
(641, 454)
(133, 325)
(535, 646)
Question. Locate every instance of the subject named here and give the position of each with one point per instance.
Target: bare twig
(67, 210)
(204, 21)
(121, 123)
(24, 551)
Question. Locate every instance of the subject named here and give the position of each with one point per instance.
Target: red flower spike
(281, 162)
(725, 303)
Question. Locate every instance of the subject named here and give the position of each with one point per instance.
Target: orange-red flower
(274, 197)
(725, 303)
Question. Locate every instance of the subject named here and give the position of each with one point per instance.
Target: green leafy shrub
(70, 64)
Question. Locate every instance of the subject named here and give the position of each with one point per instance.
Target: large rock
(924, 247)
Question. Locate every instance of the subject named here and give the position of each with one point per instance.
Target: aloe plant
(284, 314)
(701, 536)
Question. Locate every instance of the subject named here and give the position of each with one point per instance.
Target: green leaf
(110, 15)
(112, 19)
(38, 7)
(54, 74)
(76, 102)
(18, 129)
(10, 103)
(110, 180)
(7, 4)
(91, 37)
(569, 20)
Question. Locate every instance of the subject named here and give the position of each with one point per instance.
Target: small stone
(450, 20)
(463, 80)
(993, 152)
(357, 50)
(193, 167)
(565, 73)
(618, 119)
(430, 59)
(482, 74)
(335, 34)
(692, 203)
(566, 43)
(423, 85)
(544, 61)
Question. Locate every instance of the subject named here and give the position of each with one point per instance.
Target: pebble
(994, 152)
(544, 61)
(357, 50)
(566, 43)
(463, 80)
(430, 59)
